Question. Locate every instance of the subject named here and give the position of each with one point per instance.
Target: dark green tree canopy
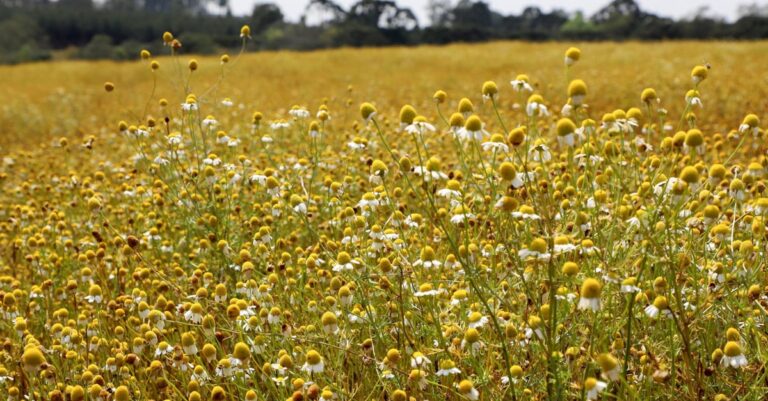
(118, 29)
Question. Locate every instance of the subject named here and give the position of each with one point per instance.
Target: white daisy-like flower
(426, 290)
(536, 109)
(174, 139)
(659, 306)
(737, 194)
(699, 150)
(448, 371)
(519, 85)
(261, 179)
(163, 349)
(633, 223)
(201, 376)
(429, 175)
(209, 122)
(694, 101)
(495, 146)
(142, 132)
(419, 360)
(583, 159)
(93, 299)
(428, 264)
(419, 127)
(467, 135)
(225, 368)
(158, 319)
(590, 295)
(273, 318)
(137, 348)
(477, 320)
(332, 328)
(190, 349)
(526, 253)
(472, 346)
(521, 178)
(299, 112)
(578, 100)
(279, 125)
(461, 217)
(339, 267)
(594, 387)
(301, 208)
(314, 363)
(564, 248)
(627, 125)
(223, 139)
(746, 127)
(628, 286)
(350, 239)
(733, 356)
(589, 303)
(356, 145)
(368, 201)
(540, 153)
(193, 316)
(566, 110)
(449, 193)
(212, 161)
(473, 394)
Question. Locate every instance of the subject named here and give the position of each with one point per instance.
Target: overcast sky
(293, 9)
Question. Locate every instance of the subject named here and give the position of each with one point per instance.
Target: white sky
(293, 9)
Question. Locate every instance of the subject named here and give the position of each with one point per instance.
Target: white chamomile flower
(733, 355)
(314, 363)
(594, 387)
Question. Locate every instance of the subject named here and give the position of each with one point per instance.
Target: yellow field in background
(47, 100)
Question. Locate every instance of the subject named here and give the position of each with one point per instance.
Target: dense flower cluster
(498, 246)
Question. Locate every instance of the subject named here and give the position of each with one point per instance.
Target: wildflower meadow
(500, 221)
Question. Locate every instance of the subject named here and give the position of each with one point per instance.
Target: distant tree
(79, 4)
(24, 3)
(22, 38)
(439, 12)
(17, 30)
(470, 14)
(750, 26)
(702, 13)
(323, 13)
(384, 14)
(617, 9)
(297, 36)
(192, 7)
(196, 42)
(578, 27)
(619, 18)
(264, 16)
(538, 25)
(99, 47)
(121, 5)
(752, 10)
(651, 27)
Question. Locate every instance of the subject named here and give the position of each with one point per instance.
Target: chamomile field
(502, 221)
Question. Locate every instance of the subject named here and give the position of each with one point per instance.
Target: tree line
(118, 29)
